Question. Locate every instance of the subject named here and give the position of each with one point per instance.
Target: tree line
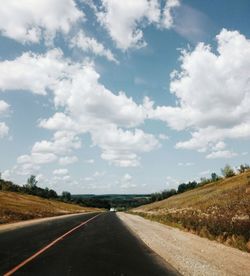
(226, 172)
(32, 188)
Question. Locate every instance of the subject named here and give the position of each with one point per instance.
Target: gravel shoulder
(188, 253)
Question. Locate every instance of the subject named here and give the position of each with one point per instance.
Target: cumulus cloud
(91, 45)
(4, 107)
(121, 148)
(121, 19)
(213, 93)
(63, 142)
(30, 22)
(90, 161)
(60, 172)
(126, 182)
(45, 152)
(4, 129)
(163, 136)
(167, 17)
(37, 158)
(221, 154)
(86, 106)
(67, 160)
(32, 72)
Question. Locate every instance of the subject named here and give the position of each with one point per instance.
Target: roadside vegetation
(30, 201)
(119, 202)
(17, 207)
(217, 208)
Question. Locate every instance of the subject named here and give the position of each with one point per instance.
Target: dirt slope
(220, 210)
(16, 207)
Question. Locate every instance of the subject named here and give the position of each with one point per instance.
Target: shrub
(227, 171)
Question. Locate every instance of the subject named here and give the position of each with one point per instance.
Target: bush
(243, 168)
(227, 171)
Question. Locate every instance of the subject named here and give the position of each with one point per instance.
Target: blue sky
(123, 97)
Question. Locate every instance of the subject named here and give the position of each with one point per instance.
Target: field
(220, 211)
(16, 207)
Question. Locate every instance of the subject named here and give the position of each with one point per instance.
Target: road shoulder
(188, 253)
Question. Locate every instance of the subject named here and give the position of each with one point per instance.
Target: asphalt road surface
(101, 245)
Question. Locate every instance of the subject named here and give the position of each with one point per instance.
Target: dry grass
(16, 207)
(219, 210)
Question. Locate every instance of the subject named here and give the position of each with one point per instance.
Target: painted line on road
(13, 270)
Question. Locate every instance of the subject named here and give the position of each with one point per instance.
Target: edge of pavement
(20, 224)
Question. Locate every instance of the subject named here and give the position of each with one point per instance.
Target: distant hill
(219, 210)
(121, 201)
(16, 207)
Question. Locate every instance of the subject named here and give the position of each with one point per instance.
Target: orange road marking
(47, 247)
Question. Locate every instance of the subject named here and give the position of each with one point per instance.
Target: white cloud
(163, 136)
(90, 161)
(190, 23)
(60, 172)
(172, 182)
(62, 143)
(219, 146)
(221, 154)
(70, 82)
(37, 158)
(90, 44)
(186, 164)
(88, 178)
(32, 72)
(26, 21)
(167, 17)
(121, 20)
(4, 130)
(4, 107)
(67, 160)
(126, 182)
(25, 169)
(121, 148)
(6, 175)
(45, 152)
(213, 105)
(89, 107)
(59, 121)
(204, 173)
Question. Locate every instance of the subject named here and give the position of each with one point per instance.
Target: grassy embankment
(219, 211)
(16, 207)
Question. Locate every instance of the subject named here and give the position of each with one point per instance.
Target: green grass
(218, 210)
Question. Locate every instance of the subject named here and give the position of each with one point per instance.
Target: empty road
(100, 244)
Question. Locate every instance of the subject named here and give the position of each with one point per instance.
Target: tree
(214, 177)
(227, 171)
(31, 182)
(181, 188)
(243, 168)
(66, 196)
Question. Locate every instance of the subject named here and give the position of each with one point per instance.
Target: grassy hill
(219, 210)
(16, 207)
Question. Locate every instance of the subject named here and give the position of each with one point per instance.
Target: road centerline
(45, 248)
